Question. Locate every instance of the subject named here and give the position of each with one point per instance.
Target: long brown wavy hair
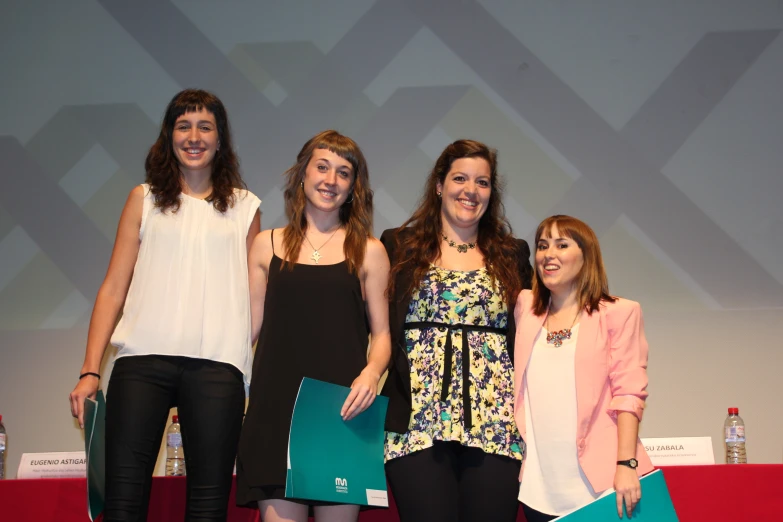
(163, 170)
(355, 213)
(592, 285)
(419, 249)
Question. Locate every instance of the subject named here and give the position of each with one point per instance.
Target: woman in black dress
(317, 291)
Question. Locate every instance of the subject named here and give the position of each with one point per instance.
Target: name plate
(679, 451)
(71, 464)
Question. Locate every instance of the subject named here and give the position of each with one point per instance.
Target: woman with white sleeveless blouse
(179, 273)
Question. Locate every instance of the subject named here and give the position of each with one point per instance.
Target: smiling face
(328, 181)
(195, 141)
(465, 192)
(559, 260)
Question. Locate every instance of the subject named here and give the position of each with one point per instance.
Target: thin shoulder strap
(273, 241)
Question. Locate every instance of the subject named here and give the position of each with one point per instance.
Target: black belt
(449, 355)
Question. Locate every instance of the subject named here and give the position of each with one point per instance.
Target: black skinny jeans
(453, 483)
(210, 398)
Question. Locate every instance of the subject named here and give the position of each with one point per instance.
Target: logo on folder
(322, 462)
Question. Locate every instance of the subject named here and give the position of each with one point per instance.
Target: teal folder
(655, 505)
(333, 460)
(95, 452)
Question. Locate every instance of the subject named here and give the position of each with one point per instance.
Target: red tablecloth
(700, 494)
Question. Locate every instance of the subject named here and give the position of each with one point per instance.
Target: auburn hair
(420, 246)
(163, 169)
(355, 213)
(591, 283)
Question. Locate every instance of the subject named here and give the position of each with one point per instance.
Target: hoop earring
(348, 202)
(440, 194)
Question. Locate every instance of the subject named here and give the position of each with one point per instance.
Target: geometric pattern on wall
(403, 81)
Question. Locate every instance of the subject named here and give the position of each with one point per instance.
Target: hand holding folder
(654, 506)
(331, 459)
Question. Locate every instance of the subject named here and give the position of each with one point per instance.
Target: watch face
(631, 463)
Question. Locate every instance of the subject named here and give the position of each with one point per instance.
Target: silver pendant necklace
(316, 255)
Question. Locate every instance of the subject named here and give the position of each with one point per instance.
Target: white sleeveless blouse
(189, 295)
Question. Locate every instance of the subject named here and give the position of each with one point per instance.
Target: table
(699, 493)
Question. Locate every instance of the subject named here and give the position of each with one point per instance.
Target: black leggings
(210, 398)
(450, 482)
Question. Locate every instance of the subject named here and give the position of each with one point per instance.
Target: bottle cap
(732, 411)
(175, 419)
(1, 419)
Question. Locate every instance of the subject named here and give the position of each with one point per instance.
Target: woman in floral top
(453, 451)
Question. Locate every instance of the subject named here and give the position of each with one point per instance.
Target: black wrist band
(85, 374)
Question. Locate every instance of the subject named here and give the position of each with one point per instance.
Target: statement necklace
(316, 255)
(557, 338)
(461, 248)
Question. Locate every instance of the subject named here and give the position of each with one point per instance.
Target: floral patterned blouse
(462, 381)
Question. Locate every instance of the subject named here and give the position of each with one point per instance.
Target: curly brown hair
(592, 285)
(355, 213)
(163, 170)
(420, 248)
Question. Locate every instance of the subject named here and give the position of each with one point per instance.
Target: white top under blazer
(553, 482)
(189, 295)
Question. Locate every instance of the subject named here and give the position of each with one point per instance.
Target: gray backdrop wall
(659, 123)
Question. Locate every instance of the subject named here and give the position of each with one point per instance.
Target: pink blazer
(611, 377)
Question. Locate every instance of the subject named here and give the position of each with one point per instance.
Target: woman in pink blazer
(580, 378)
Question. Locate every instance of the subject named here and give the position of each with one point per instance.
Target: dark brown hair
(591, 283)
(420, 248)
(163, 170)
(355, 213)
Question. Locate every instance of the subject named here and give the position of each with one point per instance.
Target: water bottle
(734, 427)
(2, 449)
(175, 454)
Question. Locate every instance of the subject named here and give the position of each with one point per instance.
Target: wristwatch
(631, 463)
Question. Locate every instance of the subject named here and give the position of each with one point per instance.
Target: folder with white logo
(333, 460)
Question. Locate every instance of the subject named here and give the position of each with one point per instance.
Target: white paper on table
(679, 451)
(70, 464)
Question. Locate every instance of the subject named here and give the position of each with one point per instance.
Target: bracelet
(85, 374)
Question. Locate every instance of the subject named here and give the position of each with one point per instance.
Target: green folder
(333, 460)
(655, 505)
(95, 451)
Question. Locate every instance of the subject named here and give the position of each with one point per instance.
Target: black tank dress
(315, 325)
